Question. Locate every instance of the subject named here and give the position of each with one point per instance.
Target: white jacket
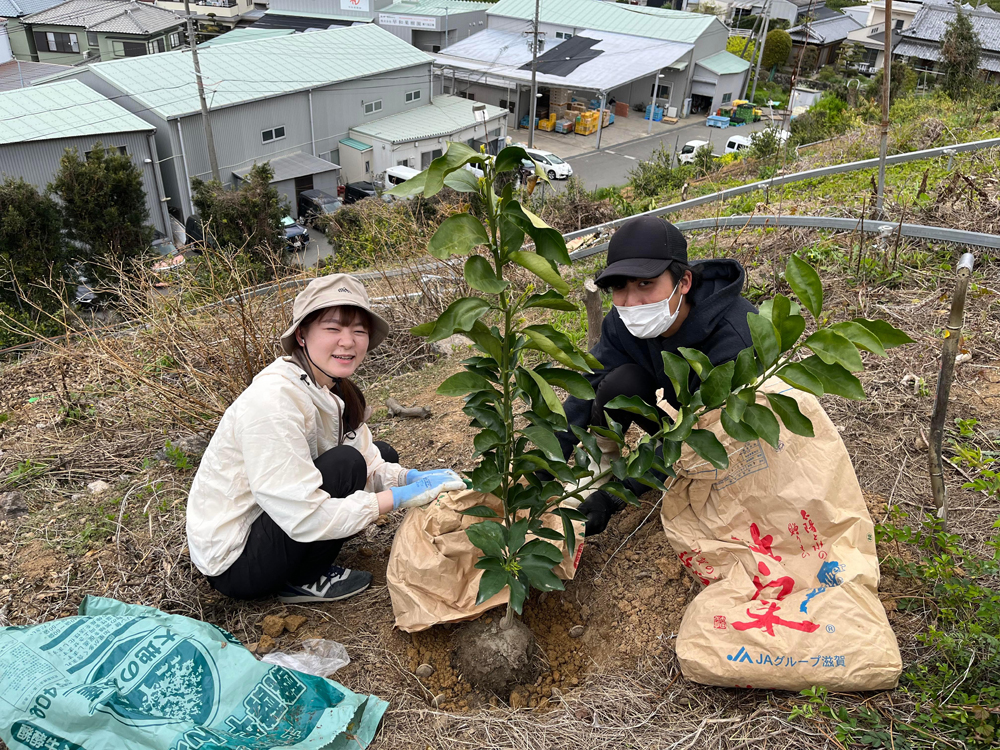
(260, 460)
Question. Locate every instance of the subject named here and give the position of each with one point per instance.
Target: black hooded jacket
(716, 325)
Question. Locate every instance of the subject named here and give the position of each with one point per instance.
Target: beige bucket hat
(333, 291)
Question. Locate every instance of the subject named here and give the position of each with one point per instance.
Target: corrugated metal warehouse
(38, 124)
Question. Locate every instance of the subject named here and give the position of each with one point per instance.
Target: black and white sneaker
(336, 584)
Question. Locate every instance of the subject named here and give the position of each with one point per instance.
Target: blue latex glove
(425, 487)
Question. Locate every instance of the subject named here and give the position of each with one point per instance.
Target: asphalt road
(611, 165)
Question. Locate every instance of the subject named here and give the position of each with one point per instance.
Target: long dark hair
(353, 398)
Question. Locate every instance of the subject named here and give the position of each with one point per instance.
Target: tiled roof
(827, 31)
(637, 20)
(65, 109)
(259, 69)
(121, 17)
(18, 8)
(931, 22)
(447, 115)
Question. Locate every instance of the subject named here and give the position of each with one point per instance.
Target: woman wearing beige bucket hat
(292, 469)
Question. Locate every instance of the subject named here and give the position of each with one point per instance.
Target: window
(175, 40)
(897, 25)
(466, 95)
(428, 156)
(91, 39)
(156, 45)
(368, 167)
(373, 107)
(120, 149)
(660, 91)
(412, 96)
(508, 105)
(403, 163)
(563, 35)
(51, 41)
(726, 98)
(272, 134)
(447, 89)
(128, 49)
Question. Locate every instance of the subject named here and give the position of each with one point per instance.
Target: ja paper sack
(125, 676)
(784, 544)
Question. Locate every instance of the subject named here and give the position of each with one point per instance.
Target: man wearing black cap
(661, 303)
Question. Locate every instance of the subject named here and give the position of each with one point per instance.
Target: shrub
(654, 177)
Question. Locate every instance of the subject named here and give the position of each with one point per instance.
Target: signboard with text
(362, 5)
(411, 22)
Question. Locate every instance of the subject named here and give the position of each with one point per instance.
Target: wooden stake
(595, 312)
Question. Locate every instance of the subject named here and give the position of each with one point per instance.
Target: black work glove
(599, 508)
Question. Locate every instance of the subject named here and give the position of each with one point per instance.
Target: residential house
(825, 36)
(304, 15)
(15, 74)
(225, 13)
(920, 43)
(81, 30)
(432, 24)
(784, 10)
(39, 123)
(20, 41)
(872, 36)
(631, 54)
(291, 101)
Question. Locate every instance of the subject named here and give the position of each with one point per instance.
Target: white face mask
(649, 321)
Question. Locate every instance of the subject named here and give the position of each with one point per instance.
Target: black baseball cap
(643, 248)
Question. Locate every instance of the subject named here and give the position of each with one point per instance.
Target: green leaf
(735, 406)
(799, 377)
(456, 157)
(791, 416)
(539, 572)
(634, 405)
(715, 389)
(542, 268)
(548, 395)
(736, 429)
(479, 274)
(483, 338)
(489, 563)
(538, 548)
(671, 452)
(765, 338)
(640, 461)
(682, 427)
(707, 445)
(572, 382)
(569, 533)
(518, 530)
(485, 478)
(511, 238)
(805, 282)
(461, 315)
(545, 338)
(457, 235)
(463, 383)
(588, 440)
(424, 329)
(547, 533)
(549, 243)
(462, 181)
(834, 349)
(835, 379)
(698, 361)
(413, 186)
(510, 158)
(551, 300)
(763, 422)
(746, 368)
(678, 371)
(790, 330)
(887, 334)
(487, 417)
(491, 583)
(480, 511)
(490, 537)
(487, 439)
(860, 336)
(518, 593)
(546, 440)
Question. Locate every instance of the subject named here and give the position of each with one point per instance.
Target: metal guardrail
(809, 174)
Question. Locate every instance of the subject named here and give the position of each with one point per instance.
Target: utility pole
(760, 52)
(213, 160)
(886, 80)
(534, 78)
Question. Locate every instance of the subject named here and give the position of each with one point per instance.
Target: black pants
(271, 558)
(627, 380)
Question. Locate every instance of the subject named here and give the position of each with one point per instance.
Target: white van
(398, 175)
(554, 167)
(688, 150)
(737, 143)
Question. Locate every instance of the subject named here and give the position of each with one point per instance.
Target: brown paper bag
(785, 546)
(431, 576)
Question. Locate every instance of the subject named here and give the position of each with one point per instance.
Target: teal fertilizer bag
(124, 676)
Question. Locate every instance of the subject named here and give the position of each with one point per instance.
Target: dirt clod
(495, 659)
(266, 645)
(294, 622)
(273, 626)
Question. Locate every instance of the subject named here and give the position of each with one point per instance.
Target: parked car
(316, 203)
(356, 191)
(686, 155)
(296, 235)
(737, 143)
(552, 165)
(397, 175)
(781, 135)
